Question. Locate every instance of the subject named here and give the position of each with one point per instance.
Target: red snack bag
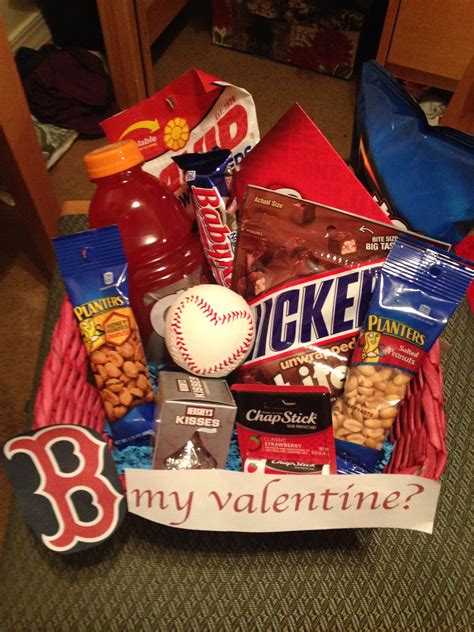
(196, 112)
(308, 271)
(295, 158)
(286, 424)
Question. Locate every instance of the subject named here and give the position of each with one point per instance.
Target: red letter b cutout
(67, 485)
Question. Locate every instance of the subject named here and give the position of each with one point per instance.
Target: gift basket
(418, 434)
(267, 319)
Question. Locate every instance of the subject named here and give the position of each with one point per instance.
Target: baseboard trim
(33, 32)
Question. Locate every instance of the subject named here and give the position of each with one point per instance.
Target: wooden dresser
(428, 41)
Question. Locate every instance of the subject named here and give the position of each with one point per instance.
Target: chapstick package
(285, 425)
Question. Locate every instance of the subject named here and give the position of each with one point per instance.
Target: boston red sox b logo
(67, 485)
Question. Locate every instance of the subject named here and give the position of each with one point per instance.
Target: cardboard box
(194, 420)
(305, 33)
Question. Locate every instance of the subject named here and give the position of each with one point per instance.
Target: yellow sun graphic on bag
(176, 133)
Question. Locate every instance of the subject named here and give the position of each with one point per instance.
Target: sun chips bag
(194, 113)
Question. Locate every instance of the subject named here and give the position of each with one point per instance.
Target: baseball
(209, 330)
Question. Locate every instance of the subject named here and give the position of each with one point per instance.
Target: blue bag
(423, 175)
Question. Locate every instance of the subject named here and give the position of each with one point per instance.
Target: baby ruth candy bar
(210, 186)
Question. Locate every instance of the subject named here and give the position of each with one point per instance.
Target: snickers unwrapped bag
(308, 272)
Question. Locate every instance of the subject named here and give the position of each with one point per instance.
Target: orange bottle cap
(111, 159)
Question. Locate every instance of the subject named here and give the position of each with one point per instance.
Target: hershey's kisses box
(194, 419)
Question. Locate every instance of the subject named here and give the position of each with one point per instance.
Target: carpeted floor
(150, 577)
(153, 578)
(23, 291)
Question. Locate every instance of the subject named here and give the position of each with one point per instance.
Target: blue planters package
(420, 174)
(418, 290)
(94, 269)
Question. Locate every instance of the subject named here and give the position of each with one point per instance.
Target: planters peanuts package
(418, 290)
(420, 174)
(94, 269)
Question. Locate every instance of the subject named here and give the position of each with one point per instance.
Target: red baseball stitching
(217, 319)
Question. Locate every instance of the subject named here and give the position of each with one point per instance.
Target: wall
(24, 23)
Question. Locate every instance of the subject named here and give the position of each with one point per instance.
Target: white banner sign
(219, 500)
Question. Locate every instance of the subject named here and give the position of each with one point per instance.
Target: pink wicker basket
(66, 396)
